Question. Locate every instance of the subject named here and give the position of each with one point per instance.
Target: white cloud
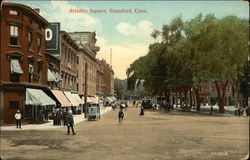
(58, 11)
(122, 55)
(141, 28)
(126, 28)
(146, 26)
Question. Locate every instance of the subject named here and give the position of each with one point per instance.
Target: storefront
(75, 104)
(64, 102)
(36, 104)
(80, 101)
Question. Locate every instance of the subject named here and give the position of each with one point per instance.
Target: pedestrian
(211, 110)
(54, 118)
(70, 122)
(18, 117)
(248, 111)
(58, 117)
(142, 112)
(120, 116)
(64, 118)
(46, 115)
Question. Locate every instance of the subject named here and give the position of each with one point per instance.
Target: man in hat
(120, 116)
(18, 117)
(70, 122)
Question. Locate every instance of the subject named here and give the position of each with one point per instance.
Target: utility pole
(111, 57)
(86, 91)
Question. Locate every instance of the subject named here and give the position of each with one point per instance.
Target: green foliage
(204, 48)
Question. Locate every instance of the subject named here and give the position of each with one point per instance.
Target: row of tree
(186, 53)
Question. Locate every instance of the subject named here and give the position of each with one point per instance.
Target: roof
(28, 10)
(70, 38)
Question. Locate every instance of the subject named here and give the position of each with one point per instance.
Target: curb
(46, 126)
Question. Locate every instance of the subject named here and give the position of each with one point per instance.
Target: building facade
(99, 79)
(104, 83)
(68, 57)
(87, 39)
(23, 62)
(53, 75)
(86, 66)
(87, 62)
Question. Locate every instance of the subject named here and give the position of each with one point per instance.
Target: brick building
(23, 65)
(53, 75)
(105, 76)
(68, 54)
(86, 57)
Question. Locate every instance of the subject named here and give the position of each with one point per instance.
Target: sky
(126, 36)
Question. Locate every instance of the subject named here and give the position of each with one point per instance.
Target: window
(40, 68)
(77, 60)
(13, 12)
(39, 45)
(30, 20)
(14, 77)
(13, 104)
(30, 41)
(28, 111)
(77, 86)
(15, 70)
(31, 70)
(14, 35)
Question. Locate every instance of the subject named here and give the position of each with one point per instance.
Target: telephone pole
(86, 91)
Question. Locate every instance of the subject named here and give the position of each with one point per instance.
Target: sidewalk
(226, 114)
(77, 119)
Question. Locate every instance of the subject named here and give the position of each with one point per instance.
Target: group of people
(66, 118)
(68, 121)
(121, 114)
(59, 118)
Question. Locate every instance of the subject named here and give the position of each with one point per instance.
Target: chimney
(37, 10)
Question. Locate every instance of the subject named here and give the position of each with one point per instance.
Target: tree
(119, 88)
(203, 49)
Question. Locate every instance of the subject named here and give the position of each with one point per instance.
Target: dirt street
(154, 136)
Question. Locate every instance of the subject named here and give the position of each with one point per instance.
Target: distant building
(105, 80)
(87, 39)
(86, 56)
(23, 64)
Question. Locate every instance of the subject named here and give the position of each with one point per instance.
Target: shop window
(13, 12)
(13, 104)
(14, 77)
(30, 41)
(13, 35)
(28, 111)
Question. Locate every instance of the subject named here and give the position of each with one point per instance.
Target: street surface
(154, 136)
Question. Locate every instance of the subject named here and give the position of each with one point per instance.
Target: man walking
(70, 122)
(18, 117)
(120, 116)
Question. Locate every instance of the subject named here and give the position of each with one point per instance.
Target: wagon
(94, 112)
